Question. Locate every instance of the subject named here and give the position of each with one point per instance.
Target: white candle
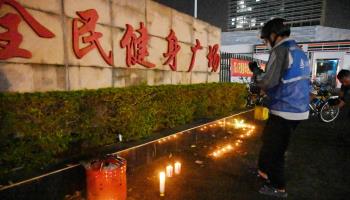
(161, 183)
(169, 171)
(177, 168)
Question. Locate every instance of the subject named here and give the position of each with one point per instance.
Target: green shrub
(38, 129)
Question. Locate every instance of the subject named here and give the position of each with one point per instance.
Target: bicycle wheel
(329, 113)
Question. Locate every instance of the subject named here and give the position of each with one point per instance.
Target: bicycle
(323, 104)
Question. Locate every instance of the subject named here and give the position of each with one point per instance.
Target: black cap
(276, 26)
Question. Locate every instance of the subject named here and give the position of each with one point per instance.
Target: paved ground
(318, 161)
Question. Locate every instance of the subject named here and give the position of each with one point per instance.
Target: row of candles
(238, 124)
(169, 172)
(226, 149)
(171, 137)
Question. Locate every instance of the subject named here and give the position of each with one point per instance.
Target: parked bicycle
(323, 104)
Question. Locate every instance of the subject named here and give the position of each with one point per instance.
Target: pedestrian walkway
(216, 161)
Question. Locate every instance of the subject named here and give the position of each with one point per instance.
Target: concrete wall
(54, 66)
(300, 34)
(239, 48)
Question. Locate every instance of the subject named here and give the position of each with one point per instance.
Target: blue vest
(291, 95)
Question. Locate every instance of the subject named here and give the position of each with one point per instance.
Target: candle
(169, 171)
(177, 168)
(161, 183)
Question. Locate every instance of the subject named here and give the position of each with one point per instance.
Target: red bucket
(106, 179)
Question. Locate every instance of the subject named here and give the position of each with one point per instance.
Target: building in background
(252, 14)
(321, 27)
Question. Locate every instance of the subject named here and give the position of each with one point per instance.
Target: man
(344, 78)
(286, 83)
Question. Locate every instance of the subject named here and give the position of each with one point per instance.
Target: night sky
(213, 11)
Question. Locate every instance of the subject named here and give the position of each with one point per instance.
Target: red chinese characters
(85, 38)
(194, 50)
(213, 58)
(88, 19)
(173, 49)
(136, 47)
(11, 39)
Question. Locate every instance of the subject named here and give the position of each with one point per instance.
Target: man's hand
(341, 104)
(253, 67)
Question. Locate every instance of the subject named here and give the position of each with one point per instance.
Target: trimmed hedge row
(37, 129)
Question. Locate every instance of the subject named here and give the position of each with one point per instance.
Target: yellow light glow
(177, 168)
(239, 124)
(222, 150)
(169, 171)
(161, 183)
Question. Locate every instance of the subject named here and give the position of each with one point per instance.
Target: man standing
(344, 78)
(286, 83)
(344, 116)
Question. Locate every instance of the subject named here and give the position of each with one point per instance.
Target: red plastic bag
(106, 179)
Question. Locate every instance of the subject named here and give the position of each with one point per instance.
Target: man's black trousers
(275, 139)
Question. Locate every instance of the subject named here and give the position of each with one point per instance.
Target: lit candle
(177, 168)
(169, 171)
(161, 183)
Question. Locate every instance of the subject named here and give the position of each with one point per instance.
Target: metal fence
(225, 64)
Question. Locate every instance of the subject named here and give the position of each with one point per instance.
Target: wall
(238, 48)
(300, 34)
(54, 66)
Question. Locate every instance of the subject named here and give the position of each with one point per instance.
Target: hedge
(39, 129)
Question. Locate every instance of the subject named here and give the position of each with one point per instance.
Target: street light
(195, 8)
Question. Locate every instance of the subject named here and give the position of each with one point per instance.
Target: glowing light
(177, 166)
(169, 171)
(239, 124)
(222, 150)
(162, 183)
